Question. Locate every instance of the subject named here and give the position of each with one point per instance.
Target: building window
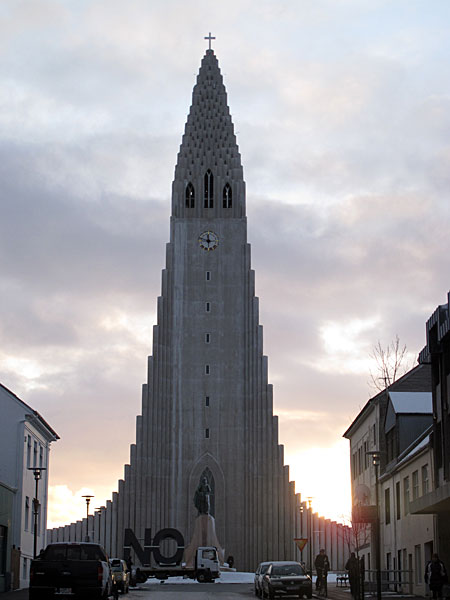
(374, 435)
(206, 369)
(418, 563)
(29, 451)
(25, 568)
(41, 456)
(209, 189)
(227, 196)
(415, 485)
(208, 307)
(27, 512)
(207, 433)
(207, 338)
(397, 499)
(3, 538)
(190, 196)
(208, 276)
(406, 495)
(387, 506)
(425, 480)
(206, 400)
(35, 455)
(366, 456)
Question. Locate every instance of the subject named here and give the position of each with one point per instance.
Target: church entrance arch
(207, 466)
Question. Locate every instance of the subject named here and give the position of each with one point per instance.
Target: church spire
(208, 175)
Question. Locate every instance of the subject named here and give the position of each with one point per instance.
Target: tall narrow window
(206, 369)
(206, 433)
(415, 485)
(35, 454)
(209, 189)
(190, 196)
(208, 275)
(29, 451)
(406, 495)
(227, 196)
(207, 338)
(208, 307)
(206, 400)
(425, 480)
(397, 500)
(387, 506)
(27, 512)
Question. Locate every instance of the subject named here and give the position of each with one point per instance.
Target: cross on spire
(210, 37)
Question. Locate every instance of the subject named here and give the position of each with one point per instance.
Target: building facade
(396, 423)
(25, 439)
(207, 409)
(437, 500)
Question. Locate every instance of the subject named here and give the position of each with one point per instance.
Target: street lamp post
(376, 459)
(37, 472)
(309, 498)
(88, 499)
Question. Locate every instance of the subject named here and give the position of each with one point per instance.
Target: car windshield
(116, 568)
(264, 569)
(287, 570)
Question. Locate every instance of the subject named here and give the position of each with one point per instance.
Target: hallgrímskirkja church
(207, 407)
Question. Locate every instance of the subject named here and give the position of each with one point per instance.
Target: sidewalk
(16, 595)
(343, 593)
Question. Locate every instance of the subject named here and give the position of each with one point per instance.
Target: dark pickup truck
(71, 570)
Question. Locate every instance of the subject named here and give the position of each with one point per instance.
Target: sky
(342, 115)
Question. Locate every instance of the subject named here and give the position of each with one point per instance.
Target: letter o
(165, 534)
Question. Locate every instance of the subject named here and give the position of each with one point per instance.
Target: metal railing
(392, 580)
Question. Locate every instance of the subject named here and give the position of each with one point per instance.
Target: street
(204, 591)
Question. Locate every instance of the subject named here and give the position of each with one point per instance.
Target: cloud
(341, 112)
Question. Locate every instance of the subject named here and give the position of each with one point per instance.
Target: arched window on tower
(209, 189)
(210, 479)
(227, 196)
(190, 196)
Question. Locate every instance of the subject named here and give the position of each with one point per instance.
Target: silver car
(259, 574)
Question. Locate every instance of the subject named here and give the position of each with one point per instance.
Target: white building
(25, 439)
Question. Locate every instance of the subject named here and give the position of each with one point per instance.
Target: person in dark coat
(353, 574)
(436, 575)
(322, 565)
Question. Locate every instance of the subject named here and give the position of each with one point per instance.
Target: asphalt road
(204, 591)
(166, 591)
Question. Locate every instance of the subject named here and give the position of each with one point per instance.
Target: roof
(418, 379)
(209, 137)
(412, 402)
(33, 412)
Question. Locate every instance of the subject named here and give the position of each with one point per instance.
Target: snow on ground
(225, 577)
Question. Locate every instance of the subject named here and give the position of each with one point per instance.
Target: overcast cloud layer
(342, 113)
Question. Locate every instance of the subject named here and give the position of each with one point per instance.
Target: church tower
(207, 405)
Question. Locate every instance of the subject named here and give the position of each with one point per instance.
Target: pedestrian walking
(436, 575)
(352, 566)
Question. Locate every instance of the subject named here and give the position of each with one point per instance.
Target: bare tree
(390, 364)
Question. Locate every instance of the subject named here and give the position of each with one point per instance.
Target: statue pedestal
(204, 535)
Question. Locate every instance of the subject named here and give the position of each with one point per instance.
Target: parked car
(120, 574)
(287, 578)
(75, 569)
(259, 573)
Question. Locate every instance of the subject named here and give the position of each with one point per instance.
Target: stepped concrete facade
(207, 407)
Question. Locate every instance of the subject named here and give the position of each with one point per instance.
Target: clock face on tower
(208, 240)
